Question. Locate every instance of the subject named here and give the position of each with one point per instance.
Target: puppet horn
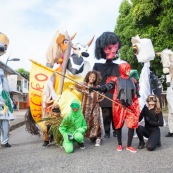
(158, 53)
(73, 36)
(90, 41)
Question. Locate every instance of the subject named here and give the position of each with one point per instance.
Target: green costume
(73, 127)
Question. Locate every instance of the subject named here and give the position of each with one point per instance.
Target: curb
(15, 126)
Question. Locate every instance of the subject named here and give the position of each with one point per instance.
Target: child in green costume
(73, 127)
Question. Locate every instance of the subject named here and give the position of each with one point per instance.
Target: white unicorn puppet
(167, 62)
(148, 82)
(144, 52)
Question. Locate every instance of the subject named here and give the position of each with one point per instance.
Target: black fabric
(107, 119)
(156, 86)
(126, 91)
(77, 61)
(106, 70)
(155, 120)
(152, 135)
(130, 136)
(151, 129)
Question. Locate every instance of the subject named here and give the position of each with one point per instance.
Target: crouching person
(73, 127)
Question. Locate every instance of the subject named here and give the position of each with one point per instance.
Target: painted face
(92, 78)
(111, 50)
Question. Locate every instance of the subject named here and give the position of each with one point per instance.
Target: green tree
(23, 73)
(149, 19)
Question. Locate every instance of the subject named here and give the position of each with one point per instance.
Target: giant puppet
(48, 88)
(167, 62)
(106, 47)
(6, 106)
(148, 82)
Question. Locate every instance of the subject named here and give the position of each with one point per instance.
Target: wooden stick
(95, 91)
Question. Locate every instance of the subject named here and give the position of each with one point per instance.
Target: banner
(39, 76)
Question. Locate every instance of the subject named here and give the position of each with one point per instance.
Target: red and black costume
(124, 91)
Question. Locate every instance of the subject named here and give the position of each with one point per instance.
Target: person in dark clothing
(107, 46)
(153, 119)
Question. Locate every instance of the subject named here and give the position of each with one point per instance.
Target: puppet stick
(94, 91)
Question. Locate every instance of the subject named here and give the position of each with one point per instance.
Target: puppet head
(4, 41)
(143, 49)
(57, 48)
(107, 45)
(124, 70)
(167, 62)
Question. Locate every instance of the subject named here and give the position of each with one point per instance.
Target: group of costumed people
(72, 106)
(109, 90)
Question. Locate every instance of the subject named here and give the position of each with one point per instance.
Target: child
(90, 107)
(124, 93)
(153, 119)
(73, 127)
(52, 123)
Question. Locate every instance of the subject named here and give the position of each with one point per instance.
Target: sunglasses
(149, 99)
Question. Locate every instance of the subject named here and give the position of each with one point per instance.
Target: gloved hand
(101, 88)
(94, 89)
(145, 107)
(70, 137)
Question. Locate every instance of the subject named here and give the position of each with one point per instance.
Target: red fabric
(120, 114)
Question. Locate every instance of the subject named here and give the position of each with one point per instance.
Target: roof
(8, 69)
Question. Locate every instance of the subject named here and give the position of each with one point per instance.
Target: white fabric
(144, 84)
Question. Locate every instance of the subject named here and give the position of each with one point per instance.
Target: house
(19, 87)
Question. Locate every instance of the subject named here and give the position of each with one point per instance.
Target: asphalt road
(28, 156)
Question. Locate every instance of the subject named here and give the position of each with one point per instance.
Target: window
(25, 84)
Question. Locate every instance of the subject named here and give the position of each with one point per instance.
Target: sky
(31, 24)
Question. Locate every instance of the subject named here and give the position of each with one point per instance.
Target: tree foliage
(23, 73)
(148, 19)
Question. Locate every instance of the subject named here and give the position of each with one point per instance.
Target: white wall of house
(20, 87)
(25, 86)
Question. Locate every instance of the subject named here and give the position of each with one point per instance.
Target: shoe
(169, 135)
(82, 145)
(46, 143)
(115, 133)
(141, 145)
(98, 142)
(107, 135)
(119, 148)
(6, 145)
(131, 149)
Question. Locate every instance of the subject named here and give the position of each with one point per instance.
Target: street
(28, 156)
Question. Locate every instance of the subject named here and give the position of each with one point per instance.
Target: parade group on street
(75, 96)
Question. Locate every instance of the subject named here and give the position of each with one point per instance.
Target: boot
(46, 143)
(169, 134)
(141, 145)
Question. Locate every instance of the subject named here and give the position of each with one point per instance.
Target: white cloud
(30, 25)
